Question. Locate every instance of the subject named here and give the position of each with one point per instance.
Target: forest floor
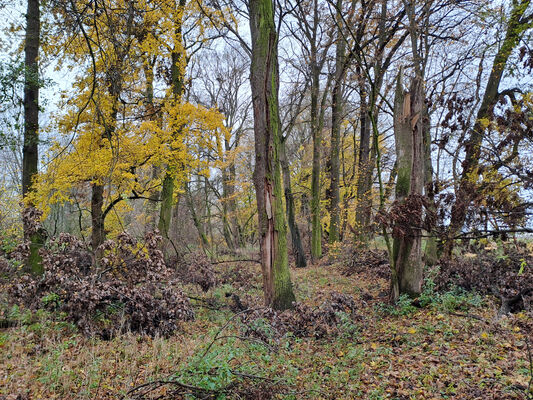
(451, 349)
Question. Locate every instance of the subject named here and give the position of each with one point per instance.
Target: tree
(311, 32)
(409, 125)
(517, 24)
(264, 81)
(30, 152)
(336, 120)
(114, 147)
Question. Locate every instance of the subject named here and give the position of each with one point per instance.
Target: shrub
(130, 289)
(328, 320)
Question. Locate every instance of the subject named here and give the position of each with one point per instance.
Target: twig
(226, 325)
(159, 383)
(469, 316)
(251, 339)
(243, 260)
(530, 366)
(250, 376)
(207, 304)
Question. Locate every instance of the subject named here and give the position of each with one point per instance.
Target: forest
(266, 199)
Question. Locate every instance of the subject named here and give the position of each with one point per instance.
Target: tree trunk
(407, 269)
(176, 72)
(97, 216)
(430, 252)
(30, 152)
(204, 242)
(165, 213)
(264, 82)
(336, 119)
(365, 169)
(151, 115)
(231, 230)
(316, 226)
(296, 240)
(466, 190)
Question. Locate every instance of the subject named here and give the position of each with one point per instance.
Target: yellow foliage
(105, 140)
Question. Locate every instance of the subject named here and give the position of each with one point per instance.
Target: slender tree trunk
(227, 193)
(336, 119)
(151, 115)
(231, 228)
(30, 152)
(264, 82)
(467, 185)
(365, 168)
(97, 216)
(430, 251)
(204, 242)
(297, 247)
(316, 226)
(165, 213)
(407, 269)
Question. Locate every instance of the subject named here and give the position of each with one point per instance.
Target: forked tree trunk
(409, 121)
(264, 83)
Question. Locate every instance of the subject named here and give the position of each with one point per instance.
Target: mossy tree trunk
(316, 130)
(30, 152)
(409, 123)
(264, 81)
(176, 71)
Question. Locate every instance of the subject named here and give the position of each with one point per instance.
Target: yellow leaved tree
(127, 131)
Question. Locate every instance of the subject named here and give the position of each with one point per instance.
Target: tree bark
(365, 168)
(407, 269)
(264, 80)
(316, 226)
(30, 152)
(97, 216)
(30, 155)
(165, 212)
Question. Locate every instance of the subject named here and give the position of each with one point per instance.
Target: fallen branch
(8, 323)
(469, 316)
(226, 325)
(157, 384)
(241, 260)
(529, 385)
(511, 304)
